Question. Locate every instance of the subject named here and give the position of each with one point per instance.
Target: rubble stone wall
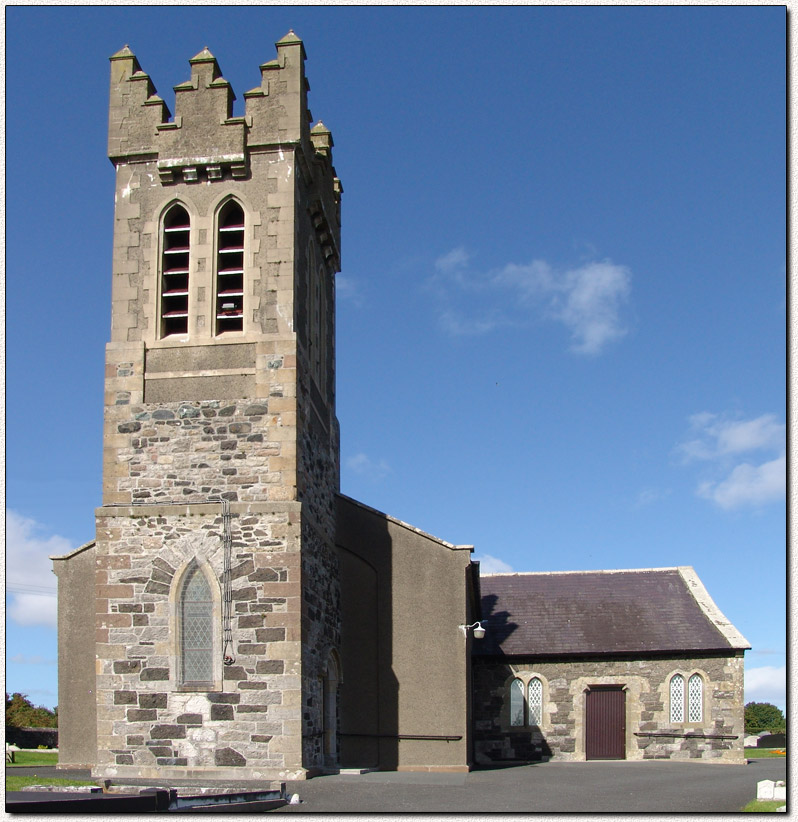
(148, 723)
(649, 732)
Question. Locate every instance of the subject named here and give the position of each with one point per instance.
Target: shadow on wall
(499, 744)
(369, 690)
(405, 659)
(498, 625)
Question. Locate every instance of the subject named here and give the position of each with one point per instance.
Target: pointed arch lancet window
(230, 269)
(695, 698)
(516, 702)
(196, 629)
(677, 698)
(535, 701)
(175, 271)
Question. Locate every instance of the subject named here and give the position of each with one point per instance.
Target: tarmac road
(553, 787)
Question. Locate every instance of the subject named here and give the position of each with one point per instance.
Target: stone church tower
(237, 618)
(217, 588)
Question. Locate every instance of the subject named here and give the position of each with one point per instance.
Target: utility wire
(37, 590)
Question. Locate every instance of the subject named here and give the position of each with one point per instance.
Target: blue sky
(561, 312)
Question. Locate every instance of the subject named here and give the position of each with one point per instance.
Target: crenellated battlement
(135, 109)
(204, 141)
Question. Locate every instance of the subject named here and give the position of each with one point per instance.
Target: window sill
(200, 687)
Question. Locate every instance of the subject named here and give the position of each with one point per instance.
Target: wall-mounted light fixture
(479, 631)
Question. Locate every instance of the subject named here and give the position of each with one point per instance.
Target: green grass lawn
(764, 753)
(30, 759)
(17, 783)
(27, 759)
(763, 806)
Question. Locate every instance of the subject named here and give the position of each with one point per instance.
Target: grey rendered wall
(77, 709)
(405, 661)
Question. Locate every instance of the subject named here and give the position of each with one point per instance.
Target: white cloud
(720, 441)
(454, 259)
(33, 609)
(373, 470)
(766, 684)
(492, 565)
(348, 289)
(588, 300)
(21, 659)
(28, 567)
(457, 325)
(533, 281)
(718, 436)
(749, 485)
(591, 303)
(648, 496)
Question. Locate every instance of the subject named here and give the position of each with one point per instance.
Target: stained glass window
(695, 698)
(196, 628)
(677, 698)
(516, 702)
(535, 701)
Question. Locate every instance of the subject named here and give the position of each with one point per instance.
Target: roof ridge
(596, 571)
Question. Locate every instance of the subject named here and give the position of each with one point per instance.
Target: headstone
(772, 741)
(768, 790)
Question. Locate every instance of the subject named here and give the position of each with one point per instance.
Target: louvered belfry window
(535, 701)
(175, 271)
(196, 629)
(677, 698)
(695, 698)
(230, 269)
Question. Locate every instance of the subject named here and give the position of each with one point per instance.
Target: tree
(762, 716)
(21, 713)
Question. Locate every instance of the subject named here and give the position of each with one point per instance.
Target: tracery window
(526, 702)
(196, 629)
(686, 703)
(677, 698)
(516, 702)
(175, 253)
(230, 269)
(535, 701)
(695, 698)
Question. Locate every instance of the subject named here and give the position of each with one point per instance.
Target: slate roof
(601, 612)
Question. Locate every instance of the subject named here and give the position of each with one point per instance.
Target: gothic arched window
(230, 269)
(695, 698)
(175, 253)
(516, 702)
(535, 701)
(196, 628)
(677, 698)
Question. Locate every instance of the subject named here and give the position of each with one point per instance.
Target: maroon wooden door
(605, 723)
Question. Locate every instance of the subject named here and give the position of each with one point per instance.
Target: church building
(237, 618)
